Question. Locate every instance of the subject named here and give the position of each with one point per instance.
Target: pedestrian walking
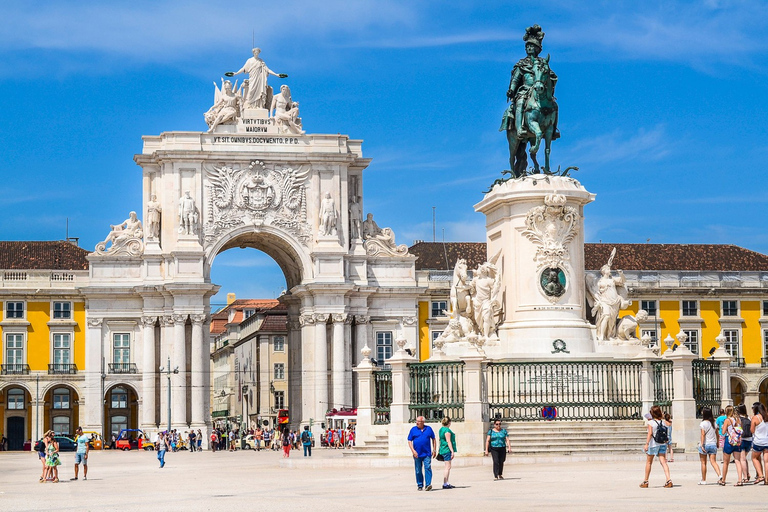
(497, 445)
(192, 441)
(656, 445)
(286, 442)
(708, 444)
(732, 447)
(759, 429)
(214, 441)
(161, 446)
(746, 440)
(199, 440)
(306, 441)
(40, 449)
(52, 461)
(670, 453)
(421, 441)
(81, 454)
(447, 450)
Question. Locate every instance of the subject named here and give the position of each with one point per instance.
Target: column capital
(179, 319)
(294, 323)
(321, 318)
(362, 319)
(94, 322)
(167, 320)
(148, 321)
(341, 318)
(198, 319)
(409, 320)
(307, 319)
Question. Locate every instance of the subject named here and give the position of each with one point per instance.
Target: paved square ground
(249, 480)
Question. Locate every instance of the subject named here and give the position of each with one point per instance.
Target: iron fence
(382, 385)
(577, 390)
(437, 390)
(662, 384)
(706, 385)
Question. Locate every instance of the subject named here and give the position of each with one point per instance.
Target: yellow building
(42, 335)
(712, 293)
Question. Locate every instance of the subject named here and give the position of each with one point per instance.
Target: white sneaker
(703, 482)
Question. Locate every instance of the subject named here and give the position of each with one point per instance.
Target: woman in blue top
(497, 444)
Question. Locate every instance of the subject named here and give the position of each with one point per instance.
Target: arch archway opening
(62, 409)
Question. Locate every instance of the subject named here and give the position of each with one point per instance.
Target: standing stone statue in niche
(227, 105)
(355, 219)
(188, 215)
(285, 112)
(607, 296)
(256, 92)
(125, 237)
(328, 216)
(533, 112)
(153, 218)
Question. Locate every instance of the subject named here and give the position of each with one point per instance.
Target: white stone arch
(48, 387)
(292, 257)
(7, 385)
(113, 385)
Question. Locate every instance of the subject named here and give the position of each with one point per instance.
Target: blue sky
(662, 106)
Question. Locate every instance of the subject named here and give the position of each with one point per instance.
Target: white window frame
(23, 316)
(8, 400)
(653, 333)
(120, 390)
(53, 399)
(765, 343)
(23, 339)
(248, 313)
(382, 344)
(765, 308)
(729, 343)
(275, 345)
(279, 371)
(655, 307)
(682, 309)
(279, 403)
(71, 347)
(57, 417)
(694, 347)
(121, 348)
(722, 309)
(69, 311)
(440, 311)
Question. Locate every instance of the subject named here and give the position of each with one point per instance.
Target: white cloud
(643, 145)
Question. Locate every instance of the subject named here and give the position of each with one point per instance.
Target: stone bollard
(365, 398)
(470, 433)
(647, 385)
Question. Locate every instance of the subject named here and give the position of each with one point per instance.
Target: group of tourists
(47, 450)
(338, 437)
(733, 431)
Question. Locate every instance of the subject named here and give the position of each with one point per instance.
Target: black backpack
(305, 437)
(662, 433)
(40, 446)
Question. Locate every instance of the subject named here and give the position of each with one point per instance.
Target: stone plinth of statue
(535, 234)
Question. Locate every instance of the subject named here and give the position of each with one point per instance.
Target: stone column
(338, 367)
(179, 380)
(200, 369)
(399, 413)
(724, 358)
(266, 374)
(321, 370)
(166, 348)
(361, 335)
(307, 323)
(365, 398)
(148, 371)
(647, 389)
(687, 433)
(348, 363)
(475, 409)
(92, 392)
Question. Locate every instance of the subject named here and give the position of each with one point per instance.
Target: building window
(62, 310)
(119, 398)
(653, 334)
(279, 399)
(14, 310)
(649, 306)
(731, 342)
(730, 308)
(765, 308)
(16, 399)
(121, 348)
(279, 342)
(61, 425)
(693, 341)
(765, 343)
(248, 313)
(438, 308)
(62, 344)
(61, 398)
(435, 335)
(119, 423)
(383, 346)
(14, 348)
(690, 308)
(279, 371)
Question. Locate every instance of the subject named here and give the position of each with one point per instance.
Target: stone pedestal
(534, 227)
(686, 426)
(399, 413)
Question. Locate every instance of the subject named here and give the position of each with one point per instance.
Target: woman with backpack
(656, 445)
(286, 442)
(732, 445)
(746, 440)
(708, 444)
(759, 429)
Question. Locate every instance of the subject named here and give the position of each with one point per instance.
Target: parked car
(66, 443)
(133, 439)
(249, 442)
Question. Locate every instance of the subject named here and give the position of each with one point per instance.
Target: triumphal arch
(255, 179)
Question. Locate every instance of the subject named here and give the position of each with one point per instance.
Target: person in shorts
(759, 428)
(708, 444)
(746, 440)
(653, 449)
(447, 449)
(81, 454)
(731, 447)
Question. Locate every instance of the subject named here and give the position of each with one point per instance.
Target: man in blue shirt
(421, 440)
(81, 455)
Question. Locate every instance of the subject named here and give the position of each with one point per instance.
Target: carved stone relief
(259, 194)
(126, 238)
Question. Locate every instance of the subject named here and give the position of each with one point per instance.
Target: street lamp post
(167, 370)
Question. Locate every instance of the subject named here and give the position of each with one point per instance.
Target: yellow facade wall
(424, 341)
(78, 343)
(669, 312)
(709, 311)
(38, 335)
(751, 332)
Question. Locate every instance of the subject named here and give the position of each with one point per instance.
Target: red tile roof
(46, 255)
(681, 257)
(274, 323)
